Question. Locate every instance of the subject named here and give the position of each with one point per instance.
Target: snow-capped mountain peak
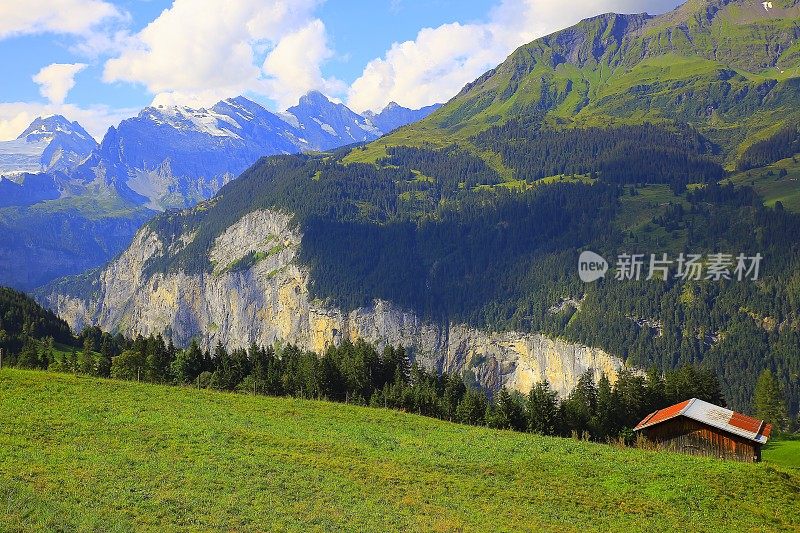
(313, 98)
(175, 156)
(49, 143)
(48, 127)
(327, 124)
(186, 119)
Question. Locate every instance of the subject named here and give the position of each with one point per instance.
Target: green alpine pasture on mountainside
(100, 455)
(778, 182)
(728, 68)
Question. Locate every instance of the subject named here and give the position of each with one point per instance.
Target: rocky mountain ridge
(259, 293)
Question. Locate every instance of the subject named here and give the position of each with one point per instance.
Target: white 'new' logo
(591, 267)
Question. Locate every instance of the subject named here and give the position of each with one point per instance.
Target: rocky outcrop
(257, 292)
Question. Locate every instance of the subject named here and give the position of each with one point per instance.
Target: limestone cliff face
(257, 292)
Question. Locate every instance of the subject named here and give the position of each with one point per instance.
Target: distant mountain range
(170, 157)
(77, 203)
(394, 116)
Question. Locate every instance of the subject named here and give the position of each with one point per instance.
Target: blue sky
(98, 61)
(355, 39)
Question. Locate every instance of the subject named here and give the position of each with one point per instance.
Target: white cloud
(199, 51)
(21, 17)
(432, 68)
(16, 116)
(294, 65)
(56, 80)
(104, 43)
(440, 61)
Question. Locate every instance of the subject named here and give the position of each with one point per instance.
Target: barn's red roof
(663, 414)
(712, 415)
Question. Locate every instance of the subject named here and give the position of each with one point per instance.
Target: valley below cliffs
(258, 292)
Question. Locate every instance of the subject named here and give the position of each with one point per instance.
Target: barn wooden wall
(688, 436)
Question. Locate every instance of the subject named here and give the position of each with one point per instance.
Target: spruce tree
(580, 406)
(157, 361)
(29, 356)
(604, 423)
(472, 408)
(47, 355)
(86, 363)
(769, 402)
(71, 361)
(543, 410)
(454, 391)
(104, 363)
(508, 412)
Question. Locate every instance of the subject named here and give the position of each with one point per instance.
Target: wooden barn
(701, 428)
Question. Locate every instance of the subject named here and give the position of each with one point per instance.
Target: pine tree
(86, 363)
(47, 355)
(104, 363)
(29, 356)
(631, 395)
(332, 383)
(507, 413)
(605, 420)
(580, 406)
(769, 402)
(396, 366)
(543, 410)
(157, 361)
(689, 382)
(655, 390)
(454, 391)
(71, 361)
(472, 408)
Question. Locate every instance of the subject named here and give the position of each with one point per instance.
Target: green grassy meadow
(783, 451)
(83, 454)
(769, 184)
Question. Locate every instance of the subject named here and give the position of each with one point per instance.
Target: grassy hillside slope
(79, 453)
(777, 182)
(728, 68)
(783, 451)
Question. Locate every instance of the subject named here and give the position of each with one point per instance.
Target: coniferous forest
(676, 158)
(435, 231)
(783, 144)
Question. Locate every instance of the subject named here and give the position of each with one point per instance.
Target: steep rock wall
(257, 292)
